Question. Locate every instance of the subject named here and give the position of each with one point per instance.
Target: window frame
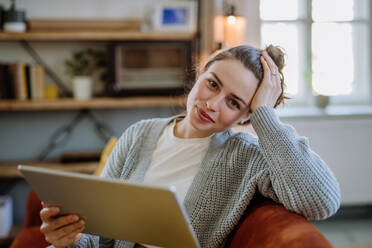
(305, 96)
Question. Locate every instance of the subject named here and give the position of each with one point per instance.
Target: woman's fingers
(269, 77)
(269, 90)
(54, 224)
(267, 71)
(66, 230)
(48, 212)
(273, 68)
(62, 230)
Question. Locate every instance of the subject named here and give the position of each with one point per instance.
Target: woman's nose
(213, 103)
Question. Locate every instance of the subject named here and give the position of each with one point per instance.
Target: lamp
(229, 30)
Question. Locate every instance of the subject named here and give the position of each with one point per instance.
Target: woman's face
(221, 97)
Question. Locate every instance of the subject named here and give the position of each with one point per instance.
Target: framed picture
(149, 68)
(175, 16)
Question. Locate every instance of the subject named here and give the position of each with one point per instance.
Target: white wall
(250, 9)
(344, 143)
(83, 8)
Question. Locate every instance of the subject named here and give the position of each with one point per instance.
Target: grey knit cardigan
(279, 165)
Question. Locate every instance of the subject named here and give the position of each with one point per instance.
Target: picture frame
(177, 16)
(149, 68)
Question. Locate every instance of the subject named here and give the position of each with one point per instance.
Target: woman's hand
(270, 88)
(60, 231)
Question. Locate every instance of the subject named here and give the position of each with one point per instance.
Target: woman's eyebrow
(220, 82)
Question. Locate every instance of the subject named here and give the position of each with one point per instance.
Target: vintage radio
(149, 68)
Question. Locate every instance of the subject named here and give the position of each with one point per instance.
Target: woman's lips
(204, 116)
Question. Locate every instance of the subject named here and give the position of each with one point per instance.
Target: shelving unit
(9, 169)
(84, 35)
(95, 103)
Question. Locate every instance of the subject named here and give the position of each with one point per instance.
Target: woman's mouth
(204, 116)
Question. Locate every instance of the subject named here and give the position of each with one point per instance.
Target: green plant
(85, 62)
(308, 76)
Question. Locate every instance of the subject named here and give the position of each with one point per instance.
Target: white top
(175, 161)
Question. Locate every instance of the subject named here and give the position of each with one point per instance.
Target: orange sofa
(264, 225)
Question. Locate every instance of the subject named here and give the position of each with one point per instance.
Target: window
(327, 43)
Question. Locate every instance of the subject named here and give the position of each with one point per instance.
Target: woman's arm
(299, 178)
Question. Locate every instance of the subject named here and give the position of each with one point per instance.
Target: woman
(215, 170)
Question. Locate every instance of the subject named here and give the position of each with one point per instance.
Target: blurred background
(327, 74)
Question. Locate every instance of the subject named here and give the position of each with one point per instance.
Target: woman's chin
(200, 125)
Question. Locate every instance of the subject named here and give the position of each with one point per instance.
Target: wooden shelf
(9, 169)
(97, 35)
(95, 103)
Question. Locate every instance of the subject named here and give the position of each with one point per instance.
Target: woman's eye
(212, 83)
(234, 103)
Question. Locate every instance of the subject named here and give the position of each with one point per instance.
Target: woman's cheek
(203, 92)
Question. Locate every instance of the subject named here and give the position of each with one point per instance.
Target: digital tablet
(114, 208)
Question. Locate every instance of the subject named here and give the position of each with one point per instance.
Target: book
(40, 81)
(27, 81)
(23, 78)
(33, 81)
(37, 81)
(6, 82)
(21, 81)
(3, 90)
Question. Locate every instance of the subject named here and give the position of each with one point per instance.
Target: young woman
(215, 170)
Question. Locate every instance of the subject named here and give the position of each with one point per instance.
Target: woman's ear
(245, 117)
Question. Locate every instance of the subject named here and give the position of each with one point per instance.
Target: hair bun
(277, 54)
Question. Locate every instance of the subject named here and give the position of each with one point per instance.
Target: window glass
(332, 62)
(286, 36)
(342, 10)
(279, 10)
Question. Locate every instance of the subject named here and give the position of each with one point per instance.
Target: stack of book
(21, 81)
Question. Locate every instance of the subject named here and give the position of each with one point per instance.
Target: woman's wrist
(254, 108)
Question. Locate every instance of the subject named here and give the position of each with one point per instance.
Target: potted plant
(81, 67)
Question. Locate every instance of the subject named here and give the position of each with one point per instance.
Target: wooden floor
(355, 246)
(348, 233)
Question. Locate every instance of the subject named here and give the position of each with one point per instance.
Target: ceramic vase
(82, 87)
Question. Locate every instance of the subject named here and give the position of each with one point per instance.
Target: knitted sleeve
(115, 162)
(296, 176)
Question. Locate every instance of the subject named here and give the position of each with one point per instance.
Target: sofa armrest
(31, 236)
(268, 224)
(33, 207)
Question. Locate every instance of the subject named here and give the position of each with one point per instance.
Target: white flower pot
(82, 87)
(321, 101)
